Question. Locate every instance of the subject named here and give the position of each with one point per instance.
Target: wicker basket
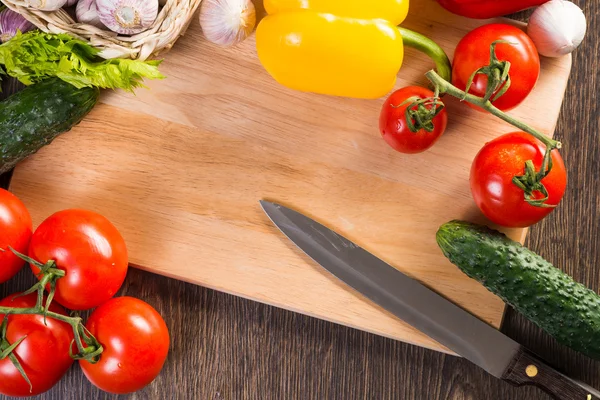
(172, 22)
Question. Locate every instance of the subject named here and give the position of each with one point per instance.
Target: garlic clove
(127, 17)
(227, 22)
(87, 13)
(557, 28)
(12, 22)
(46, 5)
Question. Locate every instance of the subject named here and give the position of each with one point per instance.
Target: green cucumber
(33, 117)
(567, 310)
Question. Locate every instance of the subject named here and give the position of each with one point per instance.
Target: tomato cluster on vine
(81, 262)
(516, 179)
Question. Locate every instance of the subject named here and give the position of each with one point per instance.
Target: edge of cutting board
(115, 101)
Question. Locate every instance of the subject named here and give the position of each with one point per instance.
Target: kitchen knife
(424, 309)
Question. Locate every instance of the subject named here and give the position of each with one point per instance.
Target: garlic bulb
(557, 28)
(46, 5)
(227, 22)
(10, 23)
(87, 13)
(70, 3)
(127, 17)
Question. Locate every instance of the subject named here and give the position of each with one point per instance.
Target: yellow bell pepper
(394, 11)
(349, 48)
(325, 54)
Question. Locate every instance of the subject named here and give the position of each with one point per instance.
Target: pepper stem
(431, 48)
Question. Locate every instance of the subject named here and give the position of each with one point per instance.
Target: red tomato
(492, 171)
(44, 354)
(473, 52)
(135, 339)
(89, 249)
(15, 231)
(393, 126)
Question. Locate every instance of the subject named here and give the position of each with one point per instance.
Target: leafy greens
(34, 56)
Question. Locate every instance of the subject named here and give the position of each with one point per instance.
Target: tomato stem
(75, 322)
(531, 181)
(446, 87)
(48, 275)
(6, 350)
(419, 114)
(497, 72)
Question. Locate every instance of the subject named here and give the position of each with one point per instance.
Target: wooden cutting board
(180, 168)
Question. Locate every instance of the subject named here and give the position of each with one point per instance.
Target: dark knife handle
(528, 369)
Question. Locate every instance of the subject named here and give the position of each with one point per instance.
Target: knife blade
(423, 308)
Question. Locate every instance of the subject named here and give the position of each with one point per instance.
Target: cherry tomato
(473, 52)
(135, 339)
(395, 130)
(44, 354)
(91, 251)
(15, 231)
(492, 172)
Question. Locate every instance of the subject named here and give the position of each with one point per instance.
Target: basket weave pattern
(171, 22)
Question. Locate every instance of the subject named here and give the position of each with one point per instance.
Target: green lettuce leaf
(35, 56)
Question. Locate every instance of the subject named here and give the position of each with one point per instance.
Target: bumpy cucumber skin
(566, 309)
(33, 117)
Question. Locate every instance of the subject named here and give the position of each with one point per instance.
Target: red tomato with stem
(395, 128)
(91, 251)
(493, 169)
(15, 231)
(135, 339)
(473, 52)
(43, 354)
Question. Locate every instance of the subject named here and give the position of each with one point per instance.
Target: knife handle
(528, 369)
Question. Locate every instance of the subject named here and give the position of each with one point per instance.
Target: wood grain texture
(180, 170)
(226, 347)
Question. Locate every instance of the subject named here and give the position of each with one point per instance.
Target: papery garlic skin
(46, 5)
(557, 28)
(227, 22)
(127, 17)
(10, 23)
(87, 13)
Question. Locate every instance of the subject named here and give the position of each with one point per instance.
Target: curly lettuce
(34, 56)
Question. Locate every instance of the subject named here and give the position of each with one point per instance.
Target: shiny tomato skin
(15, 231)
(473, 52)
(89, 248)
(395, 131)
(135, 339)
(500, 200)
(44, 354)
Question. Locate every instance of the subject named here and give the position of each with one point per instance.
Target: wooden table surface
(224, 347)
